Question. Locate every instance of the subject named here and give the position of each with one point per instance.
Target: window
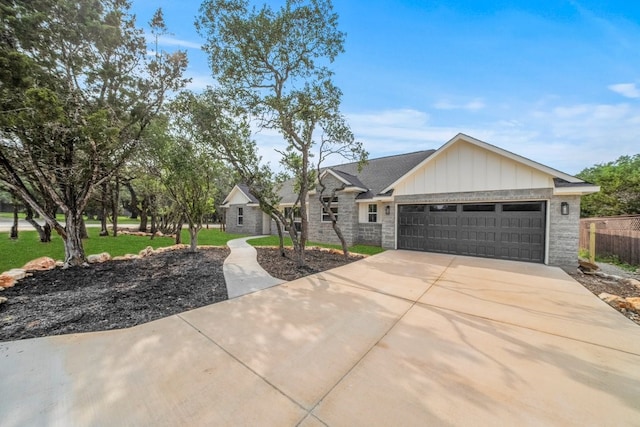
(478, 208)
(240, 216)
(443, 208)
(522, 207)
(334, 208)
(412, 208)
(373, 213)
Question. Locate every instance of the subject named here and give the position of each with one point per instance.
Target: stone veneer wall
(252, 222)
(347, 220)
(563, 230)
(564, 234)
(347, 215)
(369, 233)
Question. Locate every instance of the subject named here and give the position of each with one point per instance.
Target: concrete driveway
(401, 338)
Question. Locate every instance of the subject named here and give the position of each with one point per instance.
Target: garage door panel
(499, 230)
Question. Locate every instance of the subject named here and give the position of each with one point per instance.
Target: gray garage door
(495, 230)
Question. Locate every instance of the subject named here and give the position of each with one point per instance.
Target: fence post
(592, 243)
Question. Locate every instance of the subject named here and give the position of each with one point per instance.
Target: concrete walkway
(400, 338)
(242, 273)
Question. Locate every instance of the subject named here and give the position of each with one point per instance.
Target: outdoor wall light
(564, 208)
(387, 210)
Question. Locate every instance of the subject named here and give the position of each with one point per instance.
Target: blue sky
(555, 81)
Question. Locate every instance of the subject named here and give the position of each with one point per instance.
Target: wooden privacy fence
(616, 235)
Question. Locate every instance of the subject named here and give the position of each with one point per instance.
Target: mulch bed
(121, 294)
(286, 268)
(113, 294)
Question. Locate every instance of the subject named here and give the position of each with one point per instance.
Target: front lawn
(16, 253)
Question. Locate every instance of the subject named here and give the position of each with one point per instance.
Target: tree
(274, 63)
(336, 140)
(221, 127)
(619, 183)
(187, 170)
(77, 91)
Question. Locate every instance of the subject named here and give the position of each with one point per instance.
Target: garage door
(495, 230)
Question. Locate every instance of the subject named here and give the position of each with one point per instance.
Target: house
(468, 197)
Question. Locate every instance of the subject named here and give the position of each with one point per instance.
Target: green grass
(357, 249)
(609, 259)
(16, 253)
(122, 220)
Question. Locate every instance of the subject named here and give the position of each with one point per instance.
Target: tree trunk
(280, 236)
(179, 232)
(72, 238)
(103, 210)
(193, 234)
(334, 221)
(14, 228)
(154, 216)
(83, 228)
(133, 205)
(115, 202)
(44, 232)
(144, 214)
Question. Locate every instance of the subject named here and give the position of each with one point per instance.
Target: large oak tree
(77, 88)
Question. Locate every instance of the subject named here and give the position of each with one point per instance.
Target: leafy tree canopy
(619, 183)
(77, 89)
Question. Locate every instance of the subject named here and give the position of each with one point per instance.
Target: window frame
(334, 208)
(372, 213)
(240, 216)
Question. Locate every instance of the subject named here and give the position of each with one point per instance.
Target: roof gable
(537, 169)
(239, 195)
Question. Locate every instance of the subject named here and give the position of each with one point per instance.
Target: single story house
(468, 197)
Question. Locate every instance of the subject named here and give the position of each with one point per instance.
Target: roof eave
(581, 190)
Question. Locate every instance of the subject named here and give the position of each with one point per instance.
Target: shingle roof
(379, 173)
(247, 193)
(375, 176)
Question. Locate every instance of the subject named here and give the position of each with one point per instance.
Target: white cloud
(628, 90)
(473, 105)
(172, 41)
(199, 82)
(563, 136)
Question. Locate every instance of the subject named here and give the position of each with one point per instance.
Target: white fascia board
(576, 191)
(335, 175)
(354, 189)
(386, 199)
(234, 190)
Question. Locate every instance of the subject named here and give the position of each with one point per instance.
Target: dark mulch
(286, 268)
(112, 295)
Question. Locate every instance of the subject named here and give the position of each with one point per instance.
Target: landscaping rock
(635, 303)
(587, 267)
(616, 301)
(9, 278)
(103, 257)
(59, 264)
(3, 300)
(42, 263)
(632, 282)
(146, 252)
